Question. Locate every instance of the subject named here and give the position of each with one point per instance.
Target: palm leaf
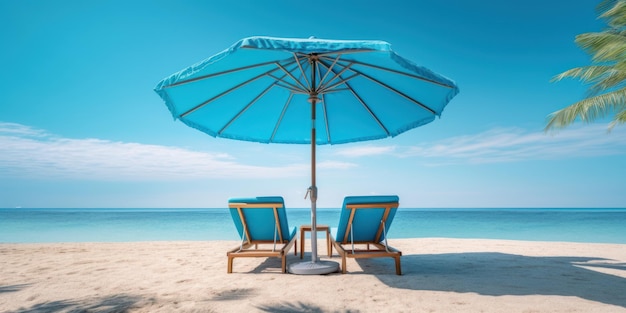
(590, 109)
(605, 46)
(607, 76)
(586, 74)
(605, 5)
(615, 13)
(620, 118)
(613, 79)
(603, 77)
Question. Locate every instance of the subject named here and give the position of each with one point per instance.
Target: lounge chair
(261, 221)
(362, 229)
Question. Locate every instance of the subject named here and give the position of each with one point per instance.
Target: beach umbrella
(306, 91)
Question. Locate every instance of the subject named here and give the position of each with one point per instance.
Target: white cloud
(15, 129)
(337, 165)
(29, 152)
(368, 150)
(507, 145)
(32, 153)
(514, 145)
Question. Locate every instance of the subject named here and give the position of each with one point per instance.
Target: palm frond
(605, 46)
(618, 119)
(586, 74)
(615, 14)
(605, 5)
(607, 75)
(602, 77)
(589, 109)
(612, 79)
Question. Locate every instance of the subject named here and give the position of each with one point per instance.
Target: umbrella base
(314, 268)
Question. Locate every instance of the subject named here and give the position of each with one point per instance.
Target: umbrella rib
(292, 89)
(191, 80)
(400, 93)
(306, 80)
(367, 108)
(356, 95)
(292, 77)
(330, 69)
(357, 73)
(199, 106)
(280, 118)
(232, 120)
(288, 85)
(403, 73)
(330, 88)
(319, 74)
(326, 87)
(325, 113)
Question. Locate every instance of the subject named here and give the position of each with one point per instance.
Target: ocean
(22, 225)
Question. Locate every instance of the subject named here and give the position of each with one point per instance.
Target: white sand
(440, 275)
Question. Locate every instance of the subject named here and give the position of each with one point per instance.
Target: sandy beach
(439, 275)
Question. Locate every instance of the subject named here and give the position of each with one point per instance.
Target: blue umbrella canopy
(261, 89)
(306, 91)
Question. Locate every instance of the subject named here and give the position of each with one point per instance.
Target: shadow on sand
(299, 307)
(267, 265)
(118, 303)
(13, 288)
(498, 274)
(273, 266)
(234, 294)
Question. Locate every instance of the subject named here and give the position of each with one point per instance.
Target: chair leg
(343, 264)
(284, 264)
(330, 249)
(328, 244)
(398, 266)
(230, 265)
(301, 243)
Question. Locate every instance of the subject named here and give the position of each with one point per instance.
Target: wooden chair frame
(249, 248)
(373, 249)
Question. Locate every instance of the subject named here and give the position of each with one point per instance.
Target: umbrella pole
(315, 267)
(313, 188)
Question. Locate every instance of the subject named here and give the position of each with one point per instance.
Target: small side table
(307, 228)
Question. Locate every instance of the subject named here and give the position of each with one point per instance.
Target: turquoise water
(120, 225)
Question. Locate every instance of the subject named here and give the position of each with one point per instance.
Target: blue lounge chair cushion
(261, 222)
(366, 221)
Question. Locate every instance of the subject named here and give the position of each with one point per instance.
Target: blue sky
(80, 124)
